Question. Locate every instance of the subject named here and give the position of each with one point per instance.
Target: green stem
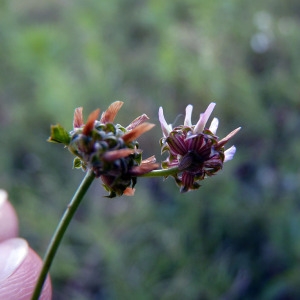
(161, 172)
(60, 230)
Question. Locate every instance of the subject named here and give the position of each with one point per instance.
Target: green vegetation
(238, 236)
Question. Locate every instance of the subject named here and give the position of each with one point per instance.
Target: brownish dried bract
(110, 150)
(136, 132)
(139, 120)
(90, 122)
(149, 164)
(109, 115)
(78, 118)
(116, 154)
(149, 160)
(223, 141)
(143, 168)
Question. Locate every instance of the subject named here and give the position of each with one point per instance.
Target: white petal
(214, 125)
(229, 153)
(203, 118)
(188, 115)
(166, 129)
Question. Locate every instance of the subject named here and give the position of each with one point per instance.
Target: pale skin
(19, 264)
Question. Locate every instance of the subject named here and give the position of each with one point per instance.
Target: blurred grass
(235, 238)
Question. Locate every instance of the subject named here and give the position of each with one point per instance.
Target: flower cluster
(112, 153)
(194, 150)
(110, 150)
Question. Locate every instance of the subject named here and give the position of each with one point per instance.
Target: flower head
(109, 149)
(194, 149)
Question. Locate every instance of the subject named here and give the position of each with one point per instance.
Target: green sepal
(59, 135)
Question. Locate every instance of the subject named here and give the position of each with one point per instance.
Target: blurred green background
(238, 237)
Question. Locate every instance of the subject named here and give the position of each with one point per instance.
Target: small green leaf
(77, 163)
(59, 135)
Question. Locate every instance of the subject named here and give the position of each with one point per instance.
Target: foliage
(235, 238)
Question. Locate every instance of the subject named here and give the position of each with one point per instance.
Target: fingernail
(12, 254)
(3, 197)
(9, 226)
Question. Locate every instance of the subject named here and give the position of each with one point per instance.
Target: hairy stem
(60, 230)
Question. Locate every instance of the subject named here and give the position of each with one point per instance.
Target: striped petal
(187, 182)
(177, 143)
(195, 142)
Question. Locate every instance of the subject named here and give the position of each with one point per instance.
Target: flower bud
(194, 149)
(110, 150)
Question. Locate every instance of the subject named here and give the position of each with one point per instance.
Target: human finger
(19, 270)
(9, 226)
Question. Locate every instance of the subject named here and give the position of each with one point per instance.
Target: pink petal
(214, 125)
(229, 153)
(203, 118)
(188, 115)
(166, 129)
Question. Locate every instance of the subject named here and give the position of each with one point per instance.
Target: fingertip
(20, 278)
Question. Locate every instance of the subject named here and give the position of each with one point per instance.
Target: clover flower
(194, 149)
(109, 149)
